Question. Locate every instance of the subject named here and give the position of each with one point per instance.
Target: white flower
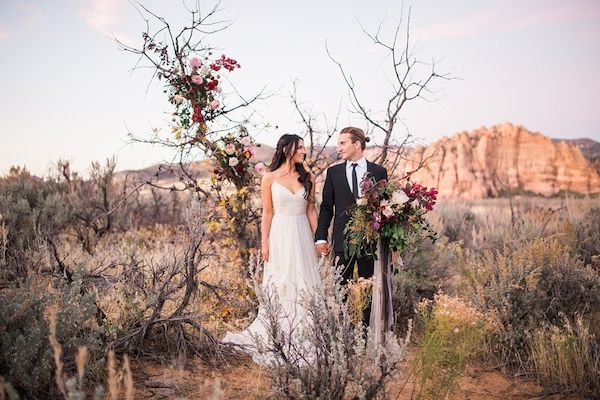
(218, 89)
(399, 197)
(386, 208)
(361, 201)
(178, 98)
(204, 71)
(233, 161)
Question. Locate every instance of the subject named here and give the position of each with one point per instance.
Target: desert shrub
(26, 355)
(31, 213)
(422, 270)
(587, 236)
(566, 358)
(452, 331)
(457, 220)
(329, 357)
(527, 287)
(151, 311)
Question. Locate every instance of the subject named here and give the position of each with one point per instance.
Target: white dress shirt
(361, 169)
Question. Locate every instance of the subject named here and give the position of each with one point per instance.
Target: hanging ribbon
(382, 314)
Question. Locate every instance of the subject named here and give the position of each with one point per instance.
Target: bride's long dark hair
(287, 145)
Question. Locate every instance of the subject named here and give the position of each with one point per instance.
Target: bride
(289, 221)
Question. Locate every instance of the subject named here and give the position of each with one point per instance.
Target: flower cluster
(192, 85)
(233, 158)
(195, 91)
(388, 211)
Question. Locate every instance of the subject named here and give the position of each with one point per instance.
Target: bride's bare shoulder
(268, 178)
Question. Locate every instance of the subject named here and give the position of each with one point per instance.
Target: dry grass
(517, 264)
(453, 330)
(566, 357)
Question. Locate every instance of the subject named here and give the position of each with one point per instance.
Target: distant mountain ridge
(485, 162)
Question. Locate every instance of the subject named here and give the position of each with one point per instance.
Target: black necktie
(354, 181)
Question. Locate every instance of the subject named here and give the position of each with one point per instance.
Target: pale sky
(68, 92)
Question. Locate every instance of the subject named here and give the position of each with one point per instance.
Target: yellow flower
(212, 225)
(176, 132)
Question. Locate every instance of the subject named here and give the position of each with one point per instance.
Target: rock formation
(490, 161)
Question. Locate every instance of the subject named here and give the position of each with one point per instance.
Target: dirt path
(246, 381)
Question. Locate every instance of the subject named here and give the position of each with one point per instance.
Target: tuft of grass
(566, 358)
(453, 330)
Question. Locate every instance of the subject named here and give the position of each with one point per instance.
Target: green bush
(529, 287)
(26, 357)
(31, 210)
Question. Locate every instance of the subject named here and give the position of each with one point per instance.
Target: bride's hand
(265, 252)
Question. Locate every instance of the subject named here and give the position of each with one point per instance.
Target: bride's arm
(311, 209)
(267, 214)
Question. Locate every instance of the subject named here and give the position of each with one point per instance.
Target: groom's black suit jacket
(338, 201)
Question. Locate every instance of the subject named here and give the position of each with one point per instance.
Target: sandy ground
(245, 380)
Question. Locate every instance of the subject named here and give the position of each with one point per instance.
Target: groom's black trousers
(366, 268)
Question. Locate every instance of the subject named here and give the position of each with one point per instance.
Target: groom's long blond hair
(356, 134)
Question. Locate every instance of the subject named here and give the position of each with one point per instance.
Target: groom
(340, 192)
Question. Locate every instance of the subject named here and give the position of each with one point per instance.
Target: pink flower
(233, 161)
(259, 167)
(218, 89)
(195, 62)
(178, 98)
(246, 141)
(197, 79)
(214, 104)
(230, 148)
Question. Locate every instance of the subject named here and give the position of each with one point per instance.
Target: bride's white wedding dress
(290, 273)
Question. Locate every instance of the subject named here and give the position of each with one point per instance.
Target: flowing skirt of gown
(291, 272)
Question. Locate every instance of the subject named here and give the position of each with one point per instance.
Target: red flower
(211, 85)
(197, 116)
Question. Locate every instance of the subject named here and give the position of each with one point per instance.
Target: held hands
(322, 248)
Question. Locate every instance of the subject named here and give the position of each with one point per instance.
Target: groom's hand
(322, 248)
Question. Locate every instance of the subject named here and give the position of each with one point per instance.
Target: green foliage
(26, 358)
(31, 210)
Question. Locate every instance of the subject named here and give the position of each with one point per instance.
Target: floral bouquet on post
(388, 211)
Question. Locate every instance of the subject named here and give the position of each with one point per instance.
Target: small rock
(164, 392)
(157, 382)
